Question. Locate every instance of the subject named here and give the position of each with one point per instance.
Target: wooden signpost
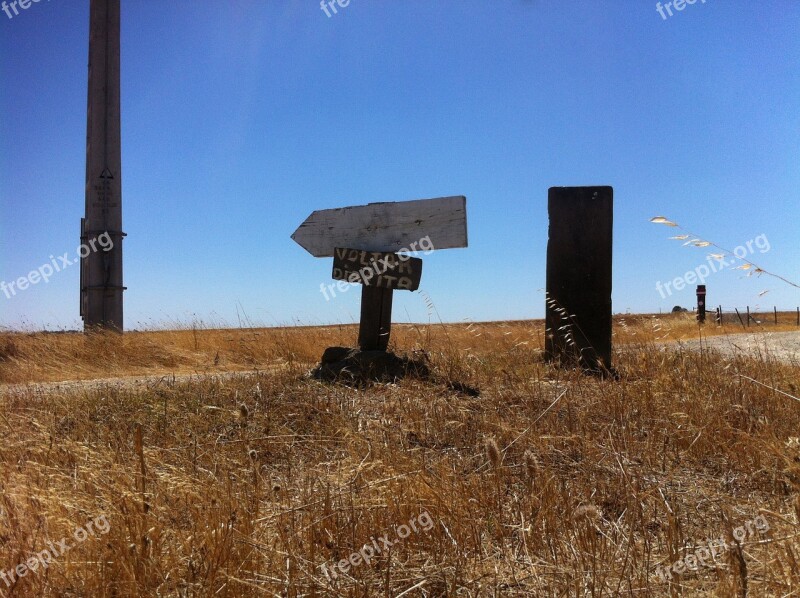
(363, 241)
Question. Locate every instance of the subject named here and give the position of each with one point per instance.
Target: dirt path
(149, 382)
(783, 346)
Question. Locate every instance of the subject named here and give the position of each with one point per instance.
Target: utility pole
(101, 228)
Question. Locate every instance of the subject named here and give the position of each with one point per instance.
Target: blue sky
(242, 117)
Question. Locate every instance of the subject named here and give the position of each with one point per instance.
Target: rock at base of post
(353, 366)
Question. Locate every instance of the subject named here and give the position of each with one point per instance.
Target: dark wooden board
(579, 251)
(377, 269)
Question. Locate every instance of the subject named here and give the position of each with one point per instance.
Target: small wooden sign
(377, 269)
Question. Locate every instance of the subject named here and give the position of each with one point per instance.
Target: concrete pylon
(101, 228)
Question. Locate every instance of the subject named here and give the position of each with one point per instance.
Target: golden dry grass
(54, 357)
(548, 484)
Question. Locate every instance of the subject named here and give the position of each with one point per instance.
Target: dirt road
(782, 346)
(150, 382)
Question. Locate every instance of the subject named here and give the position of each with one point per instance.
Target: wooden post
(748, 316)
(376, 318)
(798, 316)
(719, 316)
(578, 303)
(775, 309)
(738, 315)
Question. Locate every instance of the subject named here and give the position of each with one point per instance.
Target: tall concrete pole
(101, 228)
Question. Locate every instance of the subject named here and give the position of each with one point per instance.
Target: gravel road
(783, 346)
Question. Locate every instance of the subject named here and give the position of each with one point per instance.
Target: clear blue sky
(241, 118)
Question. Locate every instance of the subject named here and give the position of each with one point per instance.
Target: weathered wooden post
(579, 252)
(701, 303)
(376, 319)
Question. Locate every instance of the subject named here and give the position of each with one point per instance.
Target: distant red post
(701, 303)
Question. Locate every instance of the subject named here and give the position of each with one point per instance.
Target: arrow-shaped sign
(389, 226)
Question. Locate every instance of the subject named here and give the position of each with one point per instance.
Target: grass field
(250, 479)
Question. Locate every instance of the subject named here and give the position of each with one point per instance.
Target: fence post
(738, 315)
(775, 309)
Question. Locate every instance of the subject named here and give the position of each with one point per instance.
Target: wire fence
(747, 316)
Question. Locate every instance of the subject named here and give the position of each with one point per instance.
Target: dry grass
(548, 484)
(54, 357)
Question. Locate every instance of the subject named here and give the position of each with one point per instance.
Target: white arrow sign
(389, 226)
